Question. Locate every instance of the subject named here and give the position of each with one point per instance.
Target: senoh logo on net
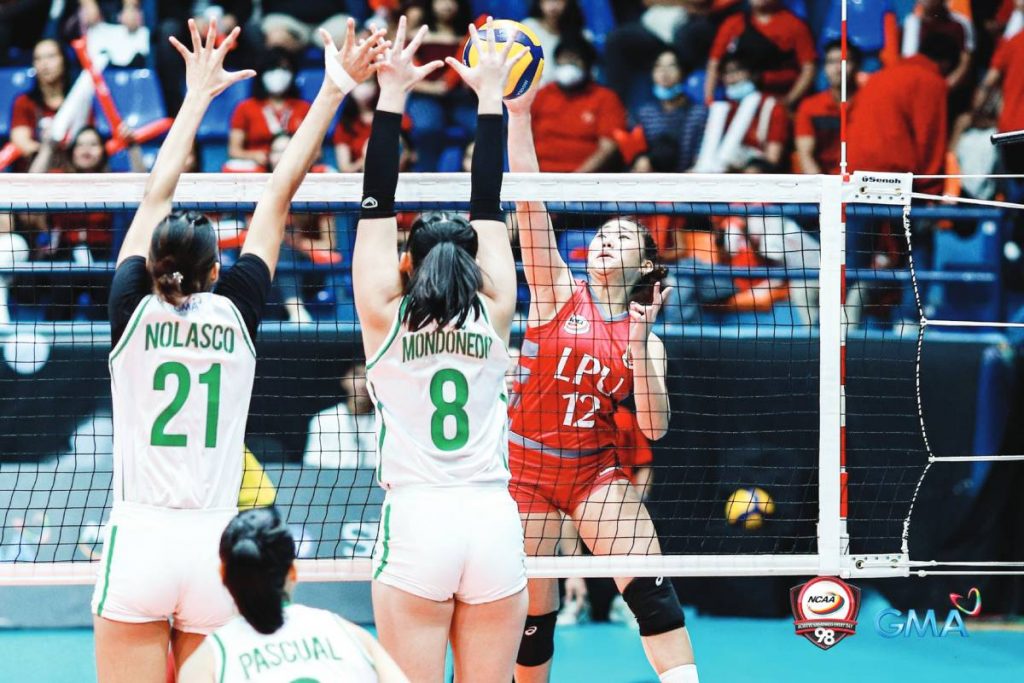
(825, 610)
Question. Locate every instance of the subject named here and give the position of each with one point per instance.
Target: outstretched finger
(491, 44)
(244, 74)
(664, 294)
(211, 35)
(197, 40)
(374, 50)
(474, 38)
(510, 41)
(229, 42)
(182, 50)
(414, 45)
(429, 68)
(400, 35)
(509, 65)
(350, 34)
(459, 67)
(328, 39)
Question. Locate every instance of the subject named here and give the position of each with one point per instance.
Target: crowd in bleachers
(716, 86)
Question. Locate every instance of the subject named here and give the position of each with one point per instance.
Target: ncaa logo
(825, 610)
(576, 324)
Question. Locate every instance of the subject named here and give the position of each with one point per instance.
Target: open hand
(489, 76)
(358, 59)
(397, 72)
(204, 64)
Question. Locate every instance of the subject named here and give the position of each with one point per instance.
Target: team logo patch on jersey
(627, 359)
(576, 324)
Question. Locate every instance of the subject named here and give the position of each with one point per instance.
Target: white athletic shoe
(619, 613)
(573, 613)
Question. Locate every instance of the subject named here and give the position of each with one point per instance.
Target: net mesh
(738, 476)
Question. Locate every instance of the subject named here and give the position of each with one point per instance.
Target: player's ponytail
(257, 551)
(642, 291)
(181, 256)
(446, 279)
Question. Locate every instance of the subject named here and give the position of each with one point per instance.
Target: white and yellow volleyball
(748, 508)
(528, 70)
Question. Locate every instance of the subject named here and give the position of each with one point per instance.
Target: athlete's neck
(613, 296)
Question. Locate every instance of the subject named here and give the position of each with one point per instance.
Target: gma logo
(891, 623)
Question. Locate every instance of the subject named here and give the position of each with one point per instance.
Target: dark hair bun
(246, 550)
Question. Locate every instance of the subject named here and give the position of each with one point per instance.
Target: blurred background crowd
(670, 86)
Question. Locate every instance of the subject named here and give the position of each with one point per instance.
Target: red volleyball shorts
(543, 483)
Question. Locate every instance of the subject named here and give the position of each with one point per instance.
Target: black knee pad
(538, 643)
(655, 604)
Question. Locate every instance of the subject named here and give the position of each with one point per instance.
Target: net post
(832, 537)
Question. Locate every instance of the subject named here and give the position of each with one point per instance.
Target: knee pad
(655, 605)
(538, 643)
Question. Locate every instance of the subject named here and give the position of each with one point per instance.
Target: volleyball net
(808, 389)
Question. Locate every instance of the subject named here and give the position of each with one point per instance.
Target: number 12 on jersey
(211, 378)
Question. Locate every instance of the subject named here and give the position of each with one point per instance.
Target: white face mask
(569, 75)
(737, 91)
(276, 81)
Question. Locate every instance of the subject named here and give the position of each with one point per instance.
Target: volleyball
(749, 507)
(526, 71)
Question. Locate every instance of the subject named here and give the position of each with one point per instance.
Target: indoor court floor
(730, 650)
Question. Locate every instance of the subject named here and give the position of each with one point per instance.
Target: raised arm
(650, 367)
(488, 79)
(344, 70)
(550, 280)
(376, 281)
(205, 78)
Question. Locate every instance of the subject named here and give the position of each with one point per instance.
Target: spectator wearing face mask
(275, 107)
(574, 119)
(748, 125)
(550, 20)
(673, 115)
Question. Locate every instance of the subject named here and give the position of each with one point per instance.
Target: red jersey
(1009, 62)
(574, 371)
(818, 117)
(633, 447)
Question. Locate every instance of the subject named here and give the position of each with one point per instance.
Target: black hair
(941, 48)
(276, 58)
(445, 280)
(257, 551)
(570, 23)
(181, 255)
(104, 158)
(35, 93)
(580, 46)
(643, 291)
(462, 19)
(853, 53)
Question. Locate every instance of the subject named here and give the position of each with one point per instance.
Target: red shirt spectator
(817, 120)
(898, 122)
(32, 110)
(260, 120)
(775, 40)
(568, 126)
(1008, 67)
(935, 17)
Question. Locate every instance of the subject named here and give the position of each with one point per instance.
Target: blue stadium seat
(13, 82)
(797, 7)
(308, 82)
(451, 160)
(694, 86)
(599, 17)
(978, 253)
(572, 245)
(501, 9)
(136, 93)
(864, 23)
(217, 121)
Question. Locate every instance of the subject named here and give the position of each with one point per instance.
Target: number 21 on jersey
(183, 378)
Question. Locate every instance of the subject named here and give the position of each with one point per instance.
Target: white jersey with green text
(313, 646)
(441, 405)
(181, 380)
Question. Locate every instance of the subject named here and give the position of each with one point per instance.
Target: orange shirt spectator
(574, 118)
(775, 40)
(899, 121)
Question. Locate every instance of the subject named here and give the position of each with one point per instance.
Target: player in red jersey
(587, 347)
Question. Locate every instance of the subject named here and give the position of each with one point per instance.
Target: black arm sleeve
(130, 286)
(247, 285)
(380, 174)
(488, 164)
